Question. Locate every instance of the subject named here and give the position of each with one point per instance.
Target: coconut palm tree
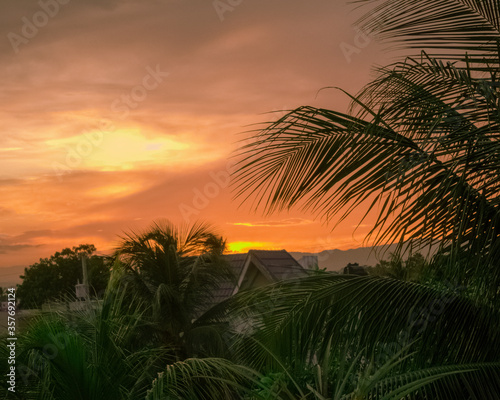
(331, 337)
(432, 345)
(419, 146)
(176, 271)
(115, 348)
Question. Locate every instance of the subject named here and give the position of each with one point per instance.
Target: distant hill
(332, 260)
(335, 260)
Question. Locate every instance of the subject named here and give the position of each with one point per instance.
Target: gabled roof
(275, 265)
(225, 289)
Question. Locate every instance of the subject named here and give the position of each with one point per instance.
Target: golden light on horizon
(242, 247)
(6, 149)
(96, 141)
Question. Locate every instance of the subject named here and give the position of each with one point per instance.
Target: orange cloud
(223, 77)
(276, 224)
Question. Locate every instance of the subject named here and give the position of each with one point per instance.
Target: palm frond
(203, 378)
(448, 29)
(346, 336)
(304, 318)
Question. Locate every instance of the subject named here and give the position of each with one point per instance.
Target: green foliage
(204, 379)
(316, 270)
(274, 383)
(98, 352)
(3, 294)
(419, 148)
(55, 278)
(176, 271)
(377, 337)
(422, 141)
(412, 269)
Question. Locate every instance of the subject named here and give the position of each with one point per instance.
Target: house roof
(279, 264)
(226, 288)
(275, 265)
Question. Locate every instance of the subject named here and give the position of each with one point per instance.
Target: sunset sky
(118, 113)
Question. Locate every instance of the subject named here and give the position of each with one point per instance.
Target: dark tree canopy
(175, 270)
(55, 277)
(412, 269)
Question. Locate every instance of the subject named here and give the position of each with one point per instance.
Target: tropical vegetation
(54, 278)
(419, 148)
(412, 269)
(175, 271)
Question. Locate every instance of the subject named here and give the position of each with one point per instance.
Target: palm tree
(419, 146)
(431, 345)
(377, 338)
(98, 352)
(107, 350)
(176, 271)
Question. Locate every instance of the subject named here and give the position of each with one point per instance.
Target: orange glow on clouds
(115, 190)
(66, 178)
(122, 149)
(276, 224)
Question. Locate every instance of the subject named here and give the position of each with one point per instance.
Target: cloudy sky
(117, 113)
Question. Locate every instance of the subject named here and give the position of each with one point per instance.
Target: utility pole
(84, 269)
(82, 289)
